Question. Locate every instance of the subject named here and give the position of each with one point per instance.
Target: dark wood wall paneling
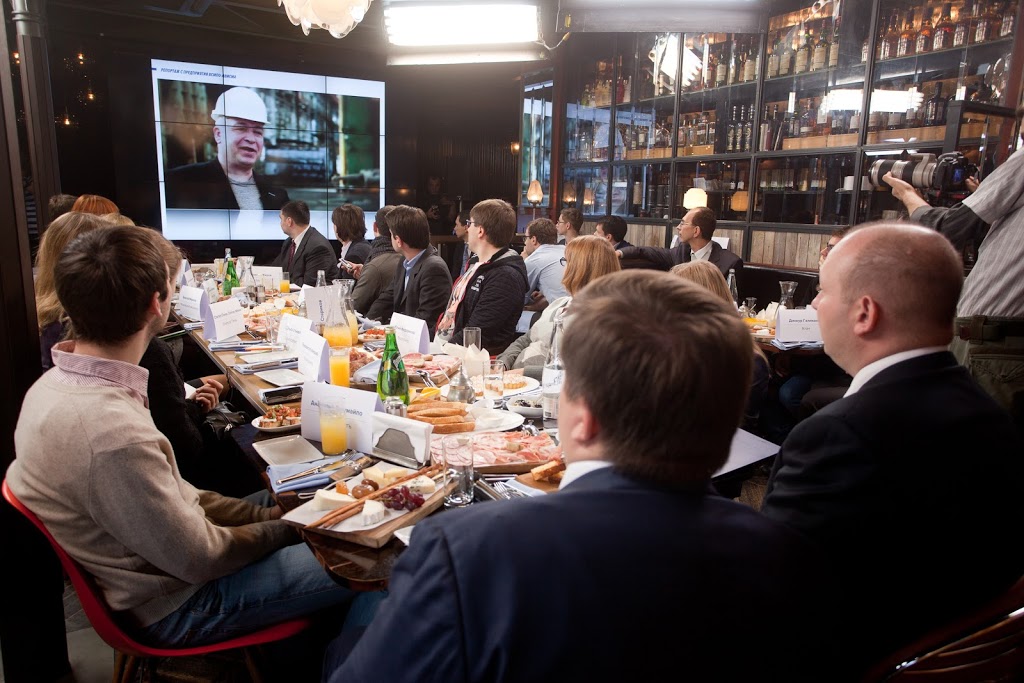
(455, 120)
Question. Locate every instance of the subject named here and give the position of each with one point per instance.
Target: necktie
(291, 254)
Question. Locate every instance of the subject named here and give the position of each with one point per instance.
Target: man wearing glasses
(695, 244)
(568, 226)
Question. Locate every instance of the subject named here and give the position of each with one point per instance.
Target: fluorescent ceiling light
(460, 24)
(473, 57)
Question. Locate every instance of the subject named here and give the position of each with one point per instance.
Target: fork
(305, 495)
(425, 376)
(509, 492)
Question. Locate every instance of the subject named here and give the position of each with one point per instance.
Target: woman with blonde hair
(117, 219)
(587, 258)
(708, 276)
(95, 204)
(49, 311)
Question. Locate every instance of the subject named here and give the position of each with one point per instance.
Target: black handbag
(222, 419)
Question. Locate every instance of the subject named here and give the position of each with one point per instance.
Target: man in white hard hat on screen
(228, 182)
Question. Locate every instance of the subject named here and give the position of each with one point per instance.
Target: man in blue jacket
(634, 570)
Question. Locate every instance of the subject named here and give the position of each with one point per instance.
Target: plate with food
(515, 384)
(372, 334)
(527, 406)
(381, 514)
(514, 452)
(279, 419)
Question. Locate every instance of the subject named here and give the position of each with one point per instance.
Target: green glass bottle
(392, 379)
(230, 275)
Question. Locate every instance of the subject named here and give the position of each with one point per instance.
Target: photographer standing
(989, 328)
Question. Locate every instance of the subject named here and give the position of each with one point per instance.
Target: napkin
(275, 472)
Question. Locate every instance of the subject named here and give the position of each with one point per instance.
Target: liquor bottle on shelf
(935, 108)
(722, 69)
(701, 134)
(750, 65)
(807, 120)
(854, 125)
(773, 60)
(895, 120)
(823, 126)
(864, 49)
(711, 129)
(819, 56)
(908, 38)
(913, 116)
(734, 64)
(987, 22)
(793, 130)
(748, 129)
(926, 34)
(730, 134)
(765, 131)
(966, 23)
(712, 67)
(833, 48)
(803, 53)
(874, 121)
(785, 56)
(944, 30)
(1009, 20)
(890, 40)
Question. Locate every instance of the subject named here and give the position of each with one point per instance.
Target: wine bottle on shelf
(833, 48)
(750, 66)
(935, 108)
(786, 56)
(854, 126)
(765, 132)
(908, 38)
(944, 30)
(819, 57)
(794, 122)
(722, 71)
(889, 42)
(926, 33)
(734, 63)
(748, 129)
(711, 129)
(702, 129)
(986, 22)
(807, 120)
(712, 67)
(1009, 20)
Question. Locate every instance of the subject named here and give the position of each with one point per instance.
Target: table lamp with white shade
(534, 195)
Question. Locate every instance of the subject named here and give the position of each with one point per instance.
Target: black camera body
(942, 175)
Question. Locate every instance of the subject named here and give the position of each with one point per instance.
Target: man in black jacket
(228, 182)
(491, 293)
(695, 244)
(421, 282)
(613, 229)
(305, 251)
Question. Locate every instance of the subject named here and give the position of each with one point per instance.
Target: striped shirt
(78, 370)
(995, 286)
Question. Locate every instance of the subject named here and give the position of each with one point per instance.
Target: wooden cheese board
(545, 486)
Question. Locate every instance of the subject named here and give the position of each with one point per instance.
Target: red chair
(985, 645)
(129, 652)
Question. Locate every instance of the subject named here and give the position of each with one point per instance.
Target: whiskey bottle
(748, 129)
(764, 131)
(833, 48)
(730, 134)
(807, 120)
(943, 38)
(966, 22)
(864, 49)
(722, 71)
(908, 38)
(786, 57)
(701, 135)
(823, 126)
(1009, 20)
(734, 64)
(773, 60)
(854, 126)
(988, 24)
(935, 108)
(750, 66)
(819, 58)
(874, 121)
(887, 46)
(925, 35)
(711, 129)
(803, 53)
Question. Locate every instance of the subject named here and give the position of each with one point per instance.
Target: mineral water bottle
(230, 275)
(392, 379)
(551, 378)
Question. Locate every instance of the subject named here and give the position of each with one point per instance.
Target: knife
(320, 469)
(352, 468)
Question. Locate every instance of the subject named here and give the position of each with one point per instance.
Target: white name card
(211, 289)
(185, 276)
(268, 276)
(798, 325)
(192, 301)
(410, 333)
(223, 320)
(360, 407)
(291, 329)
(314, 357)
(319, 300)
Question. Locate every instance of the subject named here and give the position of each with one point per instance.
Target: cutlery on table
(345, 459)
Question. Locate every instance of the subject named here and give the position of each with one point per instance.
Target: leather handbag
(222, 419)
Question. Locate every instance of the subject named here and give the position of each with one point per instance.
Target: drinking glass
(494, 382)
(471, 337)
(340, 366)
(219, 265)
(273, 323)
(457, 451)
(333, 430)
(285, 282)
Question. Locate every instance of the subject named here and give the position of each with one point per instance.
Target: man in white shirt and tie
(695, 244)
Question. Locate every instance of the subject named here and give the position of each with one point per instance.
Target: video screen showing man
(230, 180)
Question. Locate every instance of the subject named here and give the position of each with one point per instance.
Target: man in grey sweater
(176, 564)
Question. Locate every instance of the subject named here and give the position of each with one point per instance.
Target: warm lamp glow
(535, 195)
(514, 146)
(741, 201)
(569, 194)
(588, 197)
(695, 197)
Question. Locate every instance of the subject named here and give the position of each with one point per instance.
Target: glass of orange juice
(339, 366)
(333, 430)
(286, 282)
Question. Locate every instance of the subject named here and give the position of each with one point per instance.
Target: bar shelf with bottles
(589, 98)
(805, 189)
(642, 190)
(725, 183)
(645, 96)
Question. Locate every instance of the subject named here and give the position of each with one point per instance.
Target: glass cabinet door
(641, 190)
(586, 188)
(589, 104)
(814, 80)
(812, 190)
(719, 185)
(646, 91)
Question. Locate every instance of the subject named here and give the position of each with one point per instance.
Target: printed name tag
(410, 333)
(319, 300)
(291, 329)
(798, 325)
(185, 276)
(360, 407)
(192, 301)
(223, 320)
(314, 357)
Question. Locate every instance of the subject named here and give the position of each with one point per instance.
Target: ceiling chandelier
(337, 17)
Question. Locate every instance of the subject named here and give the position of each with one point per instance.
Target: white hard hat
(240, 103)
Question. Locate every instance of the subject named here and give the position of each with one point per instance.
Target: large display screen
(233, 145)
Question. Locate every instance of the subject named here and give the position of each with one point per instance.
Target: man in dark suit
(577, 585)
(613, 229)
(305, 251)
(695, 244)
(912, 482)
(422, 282)
(229, 181)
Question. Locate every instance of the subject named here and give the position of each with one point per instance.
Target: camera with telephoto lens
(937, 175)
